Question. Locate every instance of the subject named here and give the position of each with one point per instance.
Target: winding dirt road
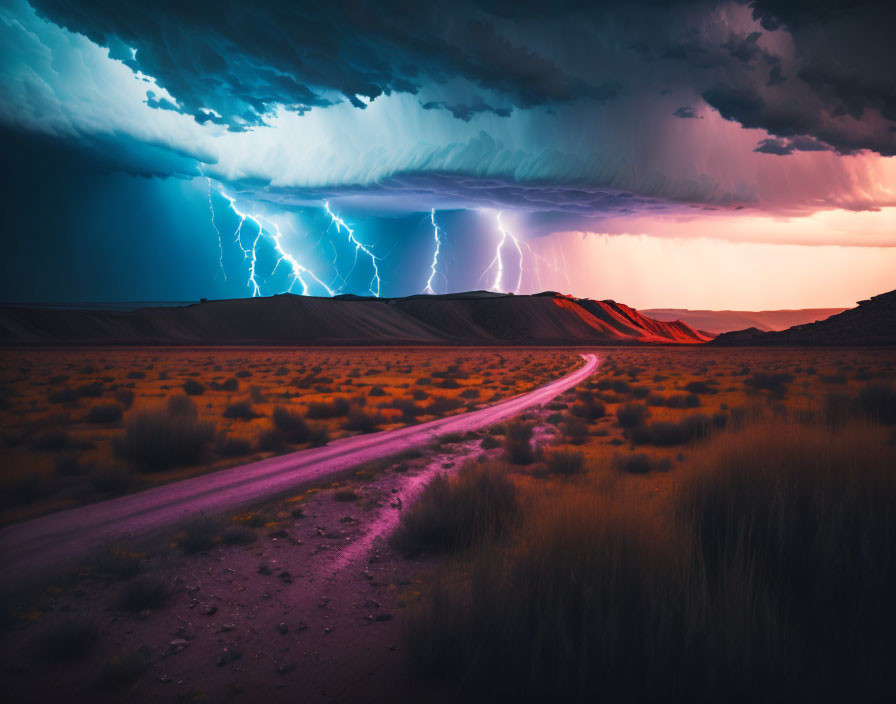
(31, 550)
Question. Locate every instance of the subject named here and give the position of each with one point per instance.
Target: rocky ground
(309, 606)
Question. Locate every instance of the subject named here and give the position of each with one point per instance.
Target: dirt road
(33, 549)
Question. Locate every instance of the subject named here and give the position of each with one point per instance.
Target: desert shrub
(470, 393)
(271, 440)
(589, 409)
(776, 383)
(490, 442)
(668, 432)
(636, 463)
(479, 503)
(362, 420)
(143, 592)
(449, 384)
(878, 401)
(700, 387)
(631, 415)
(241, 410)
(243, 374)
(198, 535)
(230, 446)
(293, 426)
(335, 408)
(410, 411)
(105, 413)
(161, 438)
(231, 384)
(442, 405)
(193, 388)
(92, 390)
(565, 462)
(574, 430)
(238, 535)
(68, 465)
(121, 670)
(346, 495)
(376, 391)
(419, 395)
(682, 401)
(518, 443)
(116, 562)
(125, 397)
(52, 440)
(136, 375)
(111, 479)
(68, 639)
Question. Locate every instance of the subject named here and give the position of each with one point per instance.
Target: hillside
(871, 322)
(716, 322)
(471, 318)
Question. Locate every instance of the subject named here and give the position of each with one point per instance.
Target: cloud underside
(570, 111)
(820, 70)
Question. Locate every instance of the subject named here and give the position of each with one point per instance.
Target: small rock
(302, 626)
(372, 604)
(228, 655)
(177, 645)
(285, 577)
(226, 628)
(383, 617)
(328, 631)
(211, 611)
(145, 614)
(278, 534)
(324, 600)
(285, 669)
(164, 679)
(283, 628)
(348, 519)
(265, 568)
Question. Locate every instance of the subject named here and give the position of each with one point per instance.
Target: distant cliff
(871, 323)
(473, 318)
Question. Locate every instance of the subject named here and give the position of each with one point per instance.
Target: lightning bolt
(359, 247)
(435, 256)
(250, 253)
(211, 208)
(297, 269)
(498, 262)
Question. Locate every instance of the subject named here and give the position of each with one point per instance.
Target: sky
(697, 154)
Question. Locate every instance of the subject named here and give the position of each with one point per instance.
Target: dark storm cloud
(785, 147)
(465, 112)
(233, 63)
(686, 112)
(230, 63)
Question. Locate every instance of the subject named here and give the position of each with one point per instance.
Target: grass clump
(68, 639)
(452, 513)
(193, 388)
(518, 443)
(143, 592)
(162, 438)
(105, 413)
(765, 575)
(564, 462)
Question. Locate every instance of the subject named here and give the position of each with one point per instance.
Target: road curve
(32, 549)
